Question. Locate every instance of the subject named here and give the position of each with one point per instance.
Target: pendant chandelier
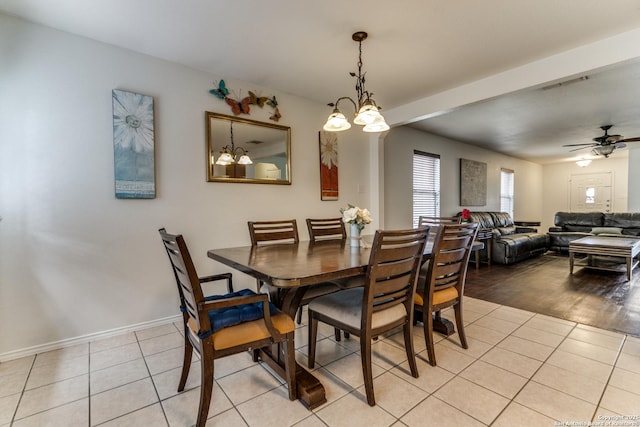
(229, 153)
(366, 109)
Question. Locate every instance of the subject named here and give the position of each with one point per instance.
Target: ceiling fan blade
(578, 149)
(630, 139)
(576, 145)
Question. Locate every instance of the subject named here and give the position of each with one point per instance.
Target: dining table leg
(310, 390)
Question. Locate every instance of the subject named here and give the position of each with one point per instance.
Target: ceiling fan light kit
(604, 145)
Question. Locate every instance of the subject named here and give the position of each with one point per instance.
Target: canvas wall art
(328, 165)
(134, 145)
(473, 183)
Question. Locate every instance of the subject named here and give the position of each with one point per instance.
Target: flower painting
(133, 141)
(328, 166)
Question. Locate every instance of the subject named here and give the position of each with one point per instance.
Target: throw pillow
(606, 230)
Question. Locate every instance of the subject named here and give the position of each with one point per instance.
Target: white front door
(591, 192)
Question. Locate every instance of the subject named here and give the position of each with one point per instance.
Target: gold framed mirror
(249, 151)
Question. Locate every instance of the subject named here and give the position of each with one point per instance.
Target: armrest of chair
(484, 233)
(526, 230)
(216, 277)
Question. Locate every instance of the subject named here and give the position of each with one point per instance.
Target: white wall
(556, 185)
(398, 154)
(74, 260)
(634, 178)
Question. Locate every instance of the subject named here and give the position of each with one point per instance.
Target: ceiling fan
(605, 144)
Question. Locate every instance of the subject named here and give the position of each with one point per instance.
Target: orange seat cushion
(251, 331)
(439, 297)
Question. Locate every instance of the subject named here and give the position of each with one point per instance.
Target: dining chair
(436, 220)
(326, 229)
(331, 229)
(384, 302)
(265, 232)
(221, 325)
(321, 230)
(441, 283)
(286, 231)
(272, 232)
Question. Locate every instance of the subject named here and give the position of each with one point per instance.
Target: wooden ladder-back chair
(437, 220)
(326, 229)
(383, 304)
(265, 232)
(286, 231)
(221, 325)
(272, 232)
(442, 284)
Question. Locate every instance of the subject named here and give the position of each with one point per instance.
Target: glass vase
(355, 240)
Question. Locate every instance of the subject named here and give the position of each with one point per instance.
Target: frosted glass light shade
(336, 122)
(245, 160)
(367, 115)
(225, 159)
(379, 125)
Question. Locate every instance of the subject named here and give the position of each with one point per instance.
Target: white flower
(349, 215)
(329, 149)
(355, 215)
(133, 121)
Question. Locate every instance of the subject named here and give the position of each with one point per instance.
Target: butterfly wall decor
(239, 107)
(243, 106)
(221, 91)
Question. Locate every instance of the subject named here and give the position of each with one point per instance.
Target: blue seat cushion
(229, 316)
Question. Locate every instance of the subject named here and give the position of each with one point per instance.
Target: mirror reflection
(244, 150)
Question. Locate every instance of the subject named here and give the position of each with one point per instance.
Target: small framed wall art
(134, 145)
(473, 183)
(328, 165)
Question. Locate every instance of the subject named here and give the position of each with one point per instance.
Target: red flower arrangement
(466, 215)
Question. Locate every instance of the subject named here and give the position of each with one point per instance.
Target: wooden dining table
(288, 269)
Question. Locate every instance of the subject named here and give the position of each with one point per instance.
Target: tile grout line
(144, 359)
(530, 379)
(613, 368)
(15, 411)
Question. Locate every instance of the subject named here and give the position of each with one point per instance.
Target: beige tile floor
(521, 369)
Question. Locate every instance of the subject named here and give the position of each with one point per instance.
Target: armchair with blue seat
(216, 326)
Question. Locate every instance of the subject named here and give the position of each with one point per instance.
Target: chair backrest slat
(285, 231)
(326, 229)
(437, 220)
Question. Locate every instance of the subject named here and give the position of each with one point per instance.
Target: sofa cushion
(622, 220)
(502, 220)
(606, 230)
(504, 231)
(484, 219)
(579, 221)
(519, 246)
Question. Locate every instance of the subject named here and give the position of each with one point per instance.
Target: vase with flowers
(357, 218)
(465, 215)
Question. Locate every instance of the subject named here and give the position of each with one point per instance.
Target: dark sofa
(509, 243)
(570, 226)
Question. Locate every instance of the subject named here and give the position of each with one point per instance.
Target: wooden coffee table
(602, 253)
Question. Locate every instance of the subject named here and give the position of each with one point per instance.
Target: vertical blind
(426, 185)
(506, 191)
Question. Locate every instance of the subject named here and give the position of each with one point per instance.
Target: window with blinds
(506, 191)
(426, 185)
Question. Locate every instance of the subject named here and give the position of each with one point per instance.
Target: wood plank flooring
(597, 298)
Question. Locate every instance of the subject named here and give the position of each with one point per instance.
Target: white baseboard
(55, 345)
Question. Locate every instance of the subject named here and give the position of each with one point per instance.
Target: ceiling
(415, 49)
